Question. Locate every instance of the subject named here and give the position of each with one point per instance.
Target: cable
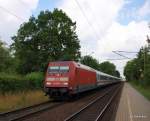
(8, 11)
(121, 55)
(118, 59)
(22, 2)
(86, 18)
(91, 10)
(126, 52)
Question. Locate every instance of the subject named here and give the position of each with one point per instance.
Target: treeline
(138, 69)
(105, 67)
(51, 36)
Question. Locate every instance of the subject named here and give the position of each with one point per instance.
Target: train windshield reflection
(58, 69)
(64, 69)
(53, 69)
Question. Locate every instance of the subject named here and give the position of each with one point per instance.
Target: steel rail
(35, 112)
(25, 108)
(27, 111)
(74, 115)
(107, 105)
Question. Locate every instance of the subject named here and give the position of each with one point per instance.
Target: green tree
(138, 69)
(146, 66)
(105, 67)
(5, 58)
(108, 68)
(90, 61)
(129, 70)
(49, 37)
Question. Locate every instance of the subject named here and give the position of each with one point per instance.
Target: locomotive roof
(87, 68)
(62, 62)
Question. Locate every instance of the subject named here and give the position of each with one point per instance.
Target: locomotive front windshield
(64, 69)
(53, 69)
(58, 69)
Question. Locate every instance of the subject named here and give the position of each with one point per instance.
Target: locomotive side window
(64, 69)
(53, 69)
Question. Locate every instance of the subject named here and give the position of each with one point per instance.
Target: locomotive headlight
(50, 79)
(64, 79)
(48, 83)
(66, 83)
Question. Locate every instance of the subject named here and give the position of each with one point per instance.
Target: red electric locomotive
(68, 78)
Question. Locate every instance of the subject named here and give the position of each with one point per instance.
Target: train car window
(64, 69)
(102, 78)
(105, 78)
(53, 69)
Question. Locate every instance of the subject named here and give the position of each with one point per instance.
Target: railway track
(95, 110)
(50, 111)
(27, 111)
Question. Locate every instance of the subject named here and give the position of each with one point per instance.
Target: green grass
(21, 99)
(144, 90)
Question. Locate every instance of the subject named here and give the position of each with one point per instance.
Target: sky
(103, 26)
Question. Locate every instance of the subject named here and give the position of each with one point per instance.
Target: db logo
(57, 75)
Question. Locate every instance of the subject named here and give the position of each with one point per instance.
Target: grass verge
(21, 99)
(144, 90)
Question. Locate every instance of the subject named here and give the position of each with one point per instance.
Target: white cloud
(123, 37)
(102, 15)
(8, 22)
(145, 9)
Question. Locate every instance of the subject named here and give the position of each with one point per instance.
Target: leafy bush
(14, 83)
(11, 82)
(35, 79)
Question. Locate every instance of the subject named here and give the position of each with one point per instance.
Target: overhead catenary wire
(24, 3)
(121, 55)
(89, 23)
(115, 59)
(13, 14)
(95, 17)
(126, 51)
